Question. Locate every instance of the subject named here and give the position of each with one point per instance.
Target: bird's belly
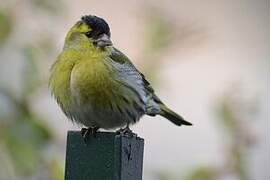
(98, 99)
(92, 116)
(104, 112)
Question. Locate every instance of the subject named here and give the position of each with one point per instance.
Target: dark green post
(108, 156)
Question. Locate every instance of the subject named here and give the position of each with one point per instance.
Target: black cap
(97, 24)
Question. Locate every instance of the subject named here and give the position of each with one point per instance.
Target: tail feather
(173, 117)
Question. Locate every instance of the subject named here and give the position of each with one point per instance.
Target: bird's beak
(103, 41)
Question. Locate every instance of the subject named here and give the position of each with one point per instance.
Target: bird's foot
(126, 132)
(86, 132)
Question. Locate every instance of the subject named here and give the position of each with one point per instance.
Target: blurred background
(208, 60)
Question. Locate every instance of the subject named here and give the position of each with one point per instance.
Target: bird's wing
(130, 76)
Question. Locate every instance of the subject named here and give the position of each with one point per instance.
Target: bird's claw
(86, 132)
(126, 132)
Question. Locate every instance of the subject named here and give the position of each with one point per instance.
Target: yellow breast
(91, 82)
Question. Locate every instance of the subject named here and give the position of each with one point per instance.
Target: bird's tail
(173, 117)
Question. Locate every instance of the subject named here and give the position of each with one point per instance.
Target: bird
(97, 86)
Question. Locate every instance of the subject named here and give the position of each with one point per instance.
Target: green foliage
(161, 175)
(56, 169)
(233, 110)
(202, 173)
(24, 135)
(5, 27)
(158, 33)
(31, 75)
(50, 6)
(157, 38)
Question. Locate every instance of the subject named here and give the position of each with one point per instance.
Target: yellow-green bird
(97, 86)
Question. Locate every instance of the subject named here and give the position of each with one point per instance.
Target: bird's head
(90, 31)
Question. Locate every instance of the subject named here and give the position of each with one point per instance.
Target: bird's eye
(89, 34)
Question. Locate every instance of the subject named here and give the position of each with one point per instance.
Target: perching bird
(97, 86)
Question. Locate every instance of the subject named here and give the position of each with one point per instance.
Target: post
(108, 156)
